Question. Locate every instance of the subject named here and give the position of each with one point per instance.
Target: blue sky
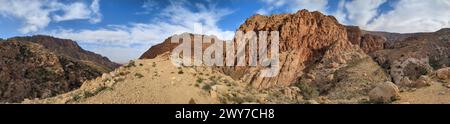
(124, 29)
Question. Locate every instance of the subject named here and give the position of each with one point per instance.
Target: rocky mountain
(321, 61)
(405, 57)
(314, 49)
(70, 49)
(43, 66)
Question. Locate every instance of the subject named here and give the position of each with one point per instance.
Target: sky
(124, 29)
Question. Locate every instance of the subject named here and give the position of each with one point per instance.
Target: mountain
(313, 49)
(43, 66)
(321, 61)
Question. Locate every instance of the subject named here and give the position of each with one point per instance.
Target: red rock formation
(354, 35)
(306, 39)
(368, 42)
(42, 66)
(372, 43)
(70, 49)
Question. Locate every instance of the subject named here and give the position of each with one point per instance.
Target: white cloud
(176, 18)
(293, 5)
(414, 16)
(37, 14)
(360, 12)
(406, 16)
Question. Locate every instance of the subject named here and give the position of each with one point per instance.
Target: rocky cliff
(41, 67)
(313, 49)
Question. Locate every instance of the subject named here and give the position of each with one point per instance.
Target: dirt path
(153, 81)
(435, 94)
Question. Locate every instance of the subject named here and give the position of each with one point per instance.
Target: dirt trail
(143, 81)
(435, 94)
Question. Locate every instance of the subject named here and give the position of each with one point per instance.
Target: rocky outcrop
(384, 93)
(368, 42)
(29, 69)
(167, 46)
(70, 49)
(415, 56)
(354, 34)
(372, 43)
(306, 39)
(443, 74)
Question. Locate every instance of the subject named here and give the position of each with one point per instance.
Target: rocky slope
(321, 61)
(158, 81)
(313, 47)
(41, 67)
(70, 49)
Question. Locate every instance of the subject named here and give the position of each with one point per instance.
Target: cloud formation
(37, 14)
(178, 17)
(292, 5)
(414, 16)
(406, 16)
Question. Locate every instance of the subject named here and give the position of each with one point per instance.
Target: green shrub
(200, 80)
(207, 87)
(131, 64)
(307, 90)
(138, 75)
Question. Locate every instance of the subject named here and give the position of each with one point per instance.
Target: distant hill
(44, 66)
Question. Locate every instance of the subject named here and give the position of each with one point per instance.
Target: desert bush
(308, 91)
(138, 75)
(131, 64)
(200, 80)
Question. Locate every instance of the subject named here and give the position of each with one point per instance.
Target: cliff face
(325, 58)
(417, 55)
(70, 49)
(367, 41)
(41, 67)
(306, 40)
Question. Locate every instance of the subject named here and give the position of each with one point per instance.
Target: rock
(106, 77)
(312, 102)
(330, 77)
(354, 35)
(219, 89)
(307, 38)
(405, 81)
(334, 65)
(192, 101)
(213, 94)
(43, 66)
(447, 85)
(384, 93)
(443, 74)
(311, 76)
(423, 81)
(371, 43)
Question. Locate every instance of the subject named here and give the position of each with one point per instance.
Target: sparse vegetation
(308, 91)
(180, 70)
(207, 87)
(138, 75)
(131, 64)
(88, 94)
(76, 97)
(200, 80)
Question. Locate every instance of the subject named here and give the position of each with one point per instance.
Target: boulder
(443, 74)
(423, 81)
(384, 93)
